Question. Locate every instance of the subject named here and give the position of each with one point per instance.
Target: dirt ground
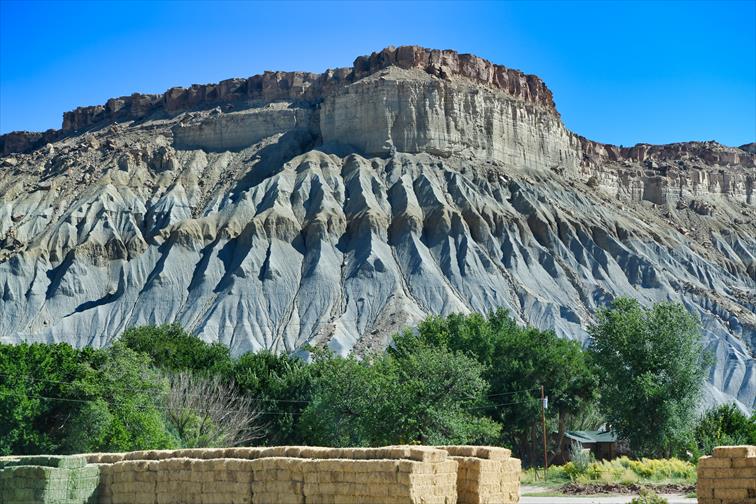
(585, 499)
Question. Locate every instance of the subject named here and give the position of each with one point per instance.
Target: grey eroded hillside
(335, 209)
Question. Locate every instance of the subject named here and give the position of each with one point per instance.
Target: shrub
(723, 425)
(580, 457)
(626, 471)
(648, 497)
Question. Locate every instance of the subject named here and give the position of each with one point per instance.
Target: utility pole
(543, 423)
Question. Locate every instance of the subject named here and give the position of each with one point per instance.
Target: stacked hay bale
(298, 475)
(486, 475)
(728, 477)
(279, 475)
(345, 476)
(47, 479)
(177, 481)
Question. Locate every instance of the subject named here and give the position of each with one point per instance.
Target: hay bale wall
(728, 476)
(48, 480)
(279, 475)
(299, 475)
(486, 475)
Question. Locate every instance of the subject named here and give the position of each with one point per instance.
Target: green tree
(346, 394)
(57, 399)
(439, 398)
(40, 387)
(281, 386)
(124, 411)
(518, 361)
(173, 349)
(652, 366)
(423, 394)
(724, 425)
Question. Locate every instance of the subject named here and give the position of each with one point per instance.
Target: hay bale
(741, 451)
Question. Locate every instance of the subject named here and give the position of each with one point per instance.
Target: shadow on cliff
(270, 160)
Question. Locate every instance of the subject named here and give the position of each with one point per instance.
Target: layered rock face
(336, 209)
(410, 111)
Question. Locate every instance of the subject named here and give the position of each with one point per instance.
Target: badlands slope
(335, 209)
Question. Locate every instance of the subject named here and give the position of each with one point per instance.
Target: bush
(626, 471)
(648, 497)
(723, 425)
(580, 457)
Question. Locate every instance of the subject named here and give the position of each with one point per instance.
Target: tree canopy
(424, 395)
(518, 360)
(652, 365)
(453, 380)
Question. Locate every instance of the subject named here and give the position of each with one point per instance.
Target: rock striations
(334, 209)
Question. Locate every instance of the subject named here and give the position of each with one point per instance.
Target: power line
(487, 406)
(162, 408)
(514, 392)
(35, 379)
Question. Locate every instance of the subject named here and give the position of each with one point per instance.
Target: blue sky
(621, 72)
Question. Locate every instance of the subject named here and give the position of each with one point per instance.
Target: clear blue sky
(620, 72)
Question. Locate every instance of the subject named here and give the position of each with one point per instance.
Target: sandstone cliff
(336, 208)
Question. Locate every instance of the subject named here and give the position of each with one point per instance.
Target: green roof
(592, 436)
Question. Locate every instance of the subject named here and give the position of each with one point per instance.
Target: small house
(602, 444)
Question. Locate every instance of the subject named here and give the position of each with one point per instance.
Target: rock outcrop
(337, 208)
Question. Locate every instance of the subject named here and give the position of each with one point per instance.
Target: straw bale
(493, 453)
(741, 451)
(730, 493)
(426, 454)
(709, 461)
(744, 462)
(110, 458)
(310, 452)
(143, 498)
(266, 463)
(275, 451)
(293, 451)
(730, 482)
(461, 450)
(243, 453)
(275, 498)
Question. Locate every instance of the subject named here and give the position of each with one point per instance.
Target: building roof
(592, 436)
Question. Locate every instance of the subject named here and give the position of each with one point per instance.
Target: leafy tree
(518, 360)
(652, 366)
(424, 394)
(724, 425)
(346, 394)
(281, 386)
(172, 348)
(40, 387)
(439, 399)
(127, 410)
(56, 399)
